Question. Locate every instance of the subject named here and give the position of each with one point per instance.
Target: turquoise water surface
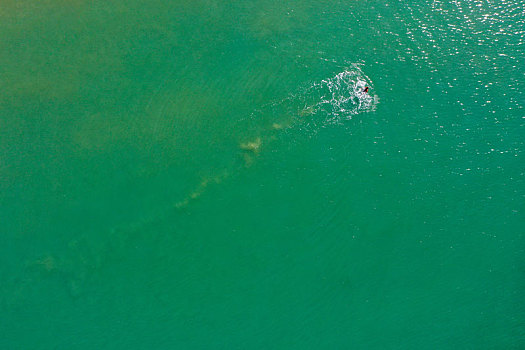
(209, 175)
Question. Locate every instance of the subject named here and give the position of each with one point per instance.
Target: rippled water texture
(210, 174)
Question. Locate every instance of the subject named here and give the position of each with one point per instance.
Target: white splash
(329, 101)
(342, 96)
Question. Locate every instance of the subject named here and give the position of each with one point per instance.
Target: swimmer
(365, 90)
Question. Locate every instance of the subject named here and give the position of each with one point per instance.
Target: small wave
(329, 101)
(342, 96)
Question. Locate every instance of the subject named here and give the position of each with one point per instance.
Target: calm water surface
(207, 174)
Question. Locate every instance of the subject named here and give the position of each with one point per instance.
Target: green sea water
(207, 174)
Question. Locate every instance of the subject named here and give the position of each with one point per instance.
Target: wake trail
(326, 102)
